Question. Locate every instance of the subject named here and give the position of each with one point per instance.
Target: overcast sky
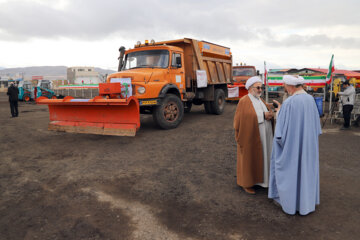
(285, 34)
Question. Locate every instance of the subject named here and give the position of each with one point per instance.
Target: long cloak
(294, 166)
(266, 137)
(250, 165)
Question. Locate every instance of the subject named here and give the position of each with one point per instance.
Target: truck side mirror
(257, 72)
(121, 58)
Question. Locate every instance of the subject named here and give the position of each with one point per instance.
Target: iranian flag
(330, 71)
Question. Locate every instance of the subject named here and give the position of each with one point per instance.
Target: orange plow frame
(119, 117)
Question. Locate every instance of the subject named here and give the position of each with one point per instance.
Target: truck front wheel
(26, 98)
(169, 113)
(218, 105)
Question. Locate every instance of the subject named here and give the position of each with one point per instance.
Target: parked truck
(240, 75)
(159, 78)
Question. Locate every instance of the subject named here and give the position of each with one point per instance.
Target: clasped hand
(269, 115)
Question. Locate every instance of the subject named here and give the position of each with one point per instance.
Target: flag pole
(324, 100)
(331, 91)
(330, 77)
(266, 84)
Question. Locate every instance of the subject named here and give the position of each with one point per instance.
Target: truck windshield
(147, 59)
(45, 85)
(27, 85)
(244, 72)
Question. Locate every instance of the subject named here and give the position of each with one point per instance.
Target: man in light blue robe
(294, 166)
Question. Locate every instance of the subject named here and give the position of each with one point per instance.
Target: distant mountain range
(43, 71)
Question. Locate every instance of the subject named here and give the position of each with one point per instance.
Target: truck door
(177, 73)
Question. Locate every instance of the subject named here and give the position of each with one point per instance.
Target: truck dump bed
(216, 60)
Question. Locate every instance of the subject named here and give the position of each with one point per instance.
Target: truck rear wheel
(218, 105)
(170, 113)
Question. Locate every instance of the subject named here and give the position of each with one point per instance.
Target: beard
(258, 95)
(255, 94)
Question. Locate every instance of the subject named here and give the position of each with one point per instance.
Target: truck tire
(26, 98)
(218, 105)
(188, 106)
(207, 107)
(170, 113)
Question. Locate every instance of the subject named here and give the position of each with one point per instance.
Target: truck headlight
(141, 90)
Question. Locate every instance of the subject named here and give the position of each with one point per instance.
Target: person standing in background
(13, 93)
(347, 100)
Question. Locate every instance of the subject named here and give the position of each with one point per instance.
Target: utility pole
(330, 92)
(266, 84)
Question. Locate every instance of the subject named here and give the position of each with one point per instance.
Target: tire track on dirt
(147, 225)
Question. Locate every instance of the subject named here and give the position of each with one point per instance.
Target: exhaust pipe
(121, 57)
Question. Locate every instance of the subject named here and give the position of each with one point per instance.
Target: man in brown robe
(253, 134)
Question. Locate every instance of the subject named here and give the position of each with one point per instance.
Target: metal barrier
(84, 93)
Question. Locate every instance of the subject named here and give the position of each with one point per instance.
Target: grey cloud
(94, 19)
(305, 14)
(211, 20)
(322, 40)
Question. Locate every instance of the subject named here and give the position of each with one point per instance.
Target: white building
(4, 81)
(82, 75)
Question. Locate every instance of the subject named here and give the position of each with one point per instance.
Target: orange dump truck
(159, 78)
(240, 75)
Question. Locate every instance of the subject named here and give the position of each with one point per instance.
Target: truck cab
(150, 69)
(242, 73)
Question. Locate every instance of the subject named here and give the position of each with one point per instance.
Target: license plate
(148, 102)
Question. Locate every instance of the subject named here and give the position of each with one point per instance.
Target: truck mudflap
(119, 117)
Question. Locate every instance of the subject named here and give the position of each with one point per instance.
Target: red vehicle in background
(240, 75)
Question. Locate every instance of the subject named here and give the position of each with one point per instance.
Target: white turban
(302, 79)
(251, 81)
(293, 80)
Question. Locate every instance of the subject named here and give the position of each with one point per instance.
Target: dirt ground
(175, 184)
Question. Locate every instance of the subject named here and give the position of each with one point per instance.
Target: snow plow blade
(119, 117)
